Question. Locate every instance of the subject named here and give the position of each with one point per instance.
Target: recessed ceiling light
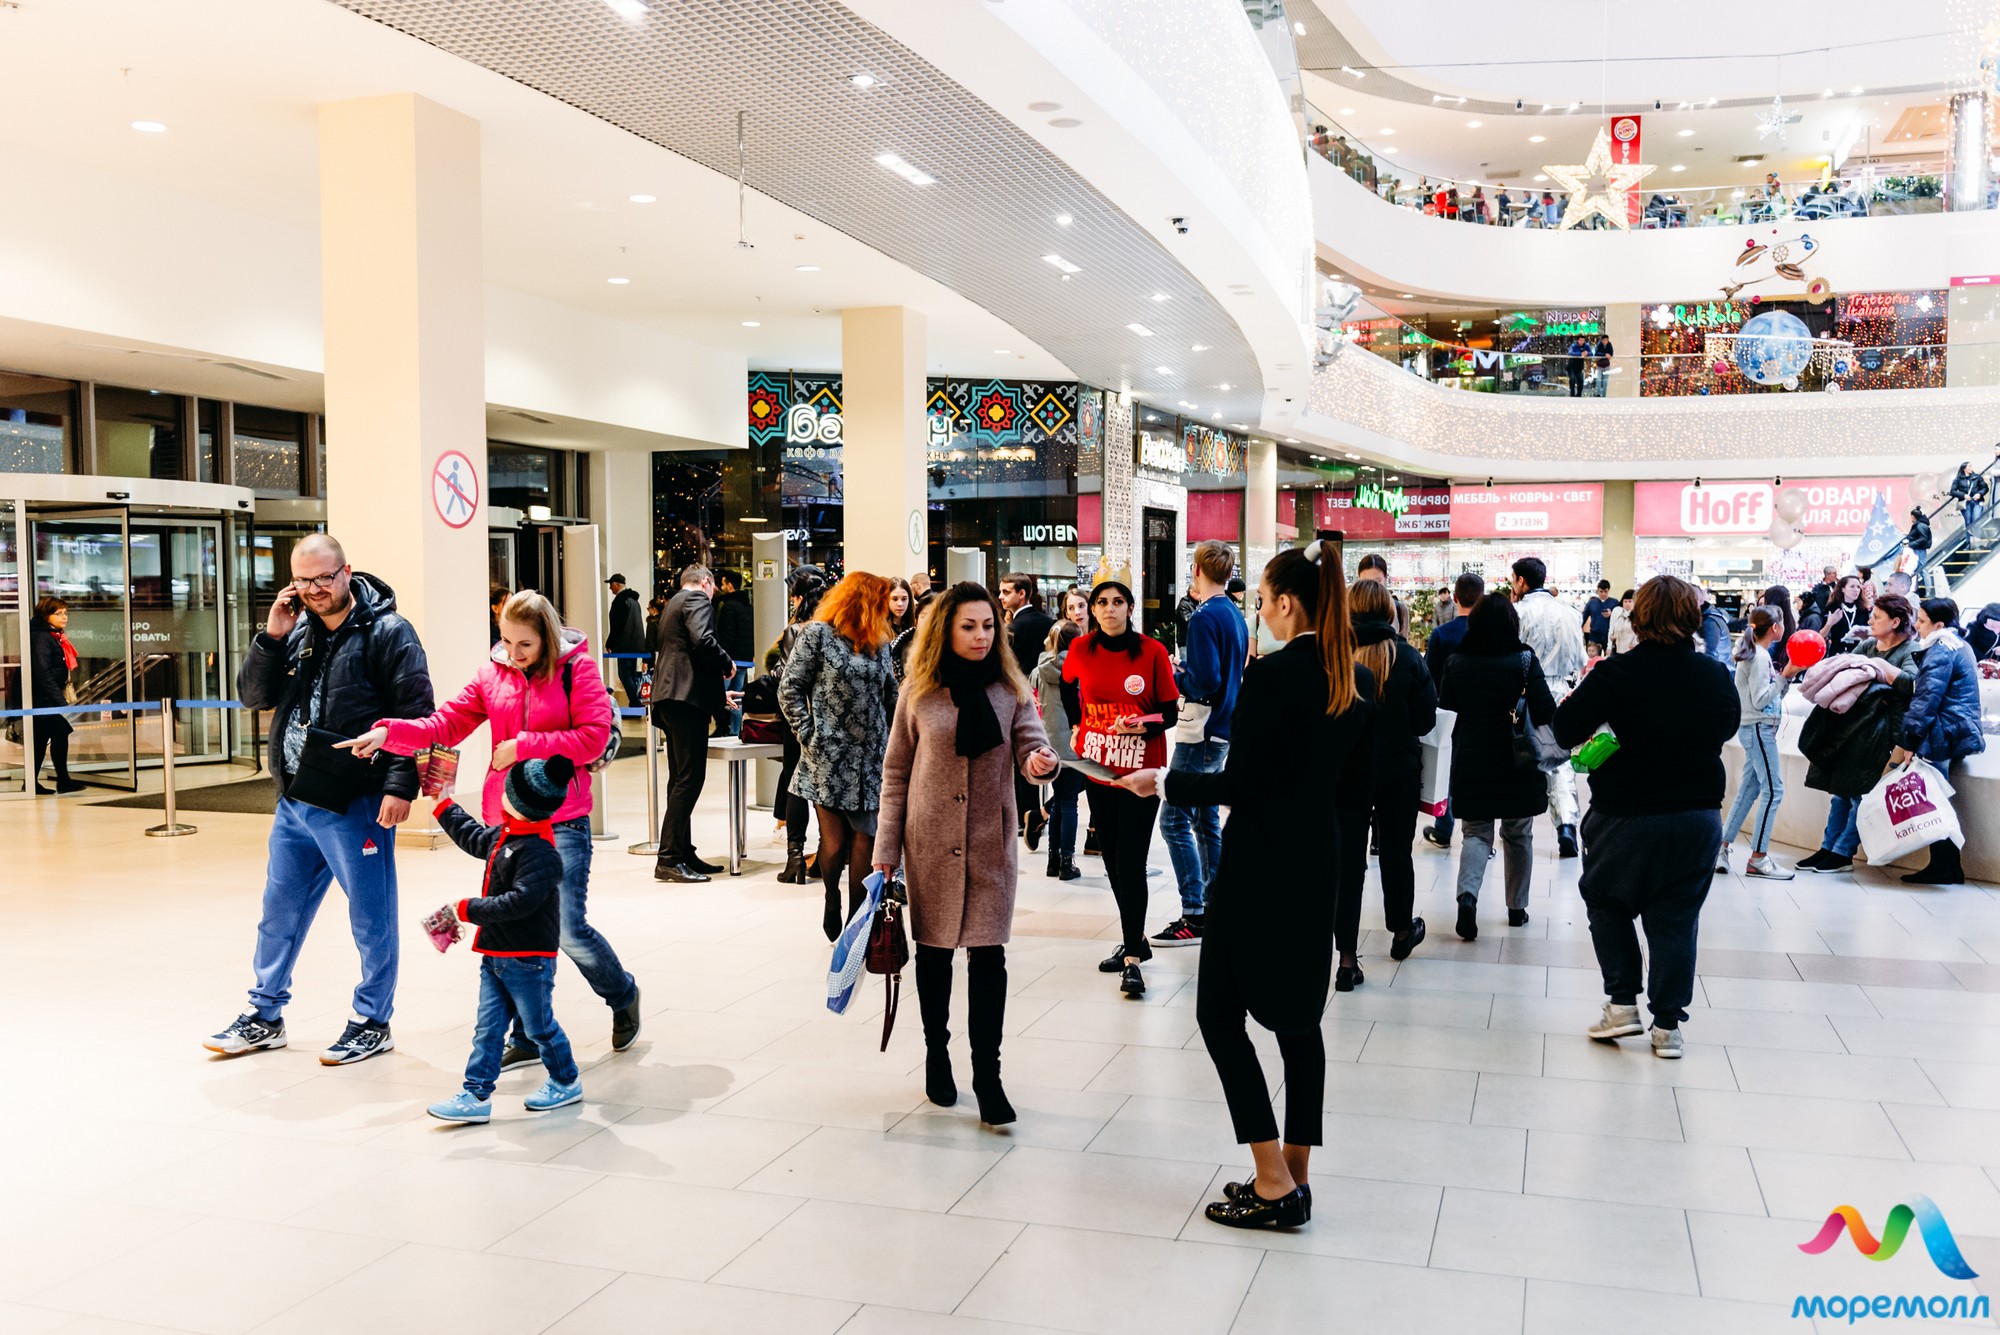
(1857, 90)
(1679, 167)
(1215, 417)
(1160, 296)
(632, 10)
(1387, 132)
(1224, 385)
(1541, 178)
(1392, 149)
(1291, 440)
(1062, 264)
(1349, 69)
(149, 127)
(1000, 352)
(862, 80)
(642, 199)
(1140, 330)
(1409, 296)
(1299, 28)
(617, 282)
(752, 324)
(1064, 220)
(1687, 134)
(806, 268)
(1199, 347)
(1354, 456)
(1347, 111)
(1473, 125)
(914, 175)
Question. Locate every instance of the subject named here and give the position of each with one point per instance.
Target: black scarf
(978, 728)
(1126, 644)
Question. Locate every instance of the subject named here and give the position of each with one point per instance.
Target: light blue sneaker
(555, 1094)
(462, 1107)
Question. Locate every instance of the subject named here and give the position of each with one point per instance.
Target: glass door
(177, 636)
(13, 638)
(81, 558)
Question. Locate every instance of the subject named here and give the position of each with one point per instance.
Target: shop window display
(1898, 337)
(35, 421)
(266, 451)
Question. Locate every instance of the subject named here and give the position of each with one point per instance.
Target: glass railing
(1860, 189)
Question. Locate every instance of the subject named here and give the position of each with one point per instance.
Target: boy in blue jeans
(519, 920)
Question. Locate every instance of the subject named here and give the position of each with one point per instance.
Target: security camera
(1519, 104)
(1180, 225)
(1656, 104)
(1489, 484)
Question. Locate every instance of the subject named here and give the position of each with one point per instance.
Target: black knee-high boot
(1945, 868)
(934, 1002)
(985, 1014)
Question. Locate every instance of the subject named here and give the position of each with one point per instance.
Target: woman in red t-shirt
(1119, 685)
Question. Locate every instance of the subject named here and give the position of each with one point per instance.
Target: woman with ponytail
(1300, 738)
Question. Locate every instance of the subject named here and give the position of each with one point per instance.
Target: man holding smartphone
(334, 656)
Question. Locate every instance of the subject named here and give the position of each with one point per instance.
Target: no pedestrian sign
(455, 489)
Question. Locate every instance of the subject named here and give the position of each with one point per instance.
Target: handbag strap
(893, 985)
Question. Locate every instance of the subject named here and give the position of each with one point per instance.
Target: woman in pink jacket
(542, 695)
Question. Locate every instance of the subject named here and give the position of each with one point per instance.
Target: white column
(402, 271)
(1260, 508)
(885, 515)
(622, 481)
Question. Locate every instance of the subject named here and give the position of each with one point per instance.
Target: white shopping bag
(1434, 780)
(1909, 809)
(850, 951)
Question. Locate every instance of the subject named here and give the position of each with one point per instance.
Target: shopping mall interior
(1081, 295)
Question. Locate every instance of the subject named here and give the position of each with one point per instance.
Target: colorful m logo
(1930, 1222)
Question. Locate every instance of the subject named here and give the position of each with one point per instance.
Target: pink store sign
(1528, 510)
(1834, 505)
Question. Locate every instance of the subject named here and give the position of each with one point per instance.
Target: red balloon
(1805, 647)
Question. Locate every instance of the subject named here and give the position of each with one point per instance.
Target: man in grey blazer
(691, 669)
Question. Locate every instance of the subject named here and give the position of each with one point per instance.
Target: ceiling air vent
(529, 417)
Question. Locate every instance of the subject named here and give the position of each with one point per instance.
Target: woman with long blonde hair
(837, 695)
(965, 724)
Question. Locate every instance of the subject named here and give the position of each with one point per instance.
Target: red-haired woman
(838, 694)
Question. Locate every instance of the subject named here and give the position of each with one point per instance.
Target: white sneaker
(1618, 1022)
(1666, 1042)
(1770, 869)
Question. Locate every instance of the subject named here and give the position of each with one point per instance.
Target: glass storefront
(36, 417)
(139, 432)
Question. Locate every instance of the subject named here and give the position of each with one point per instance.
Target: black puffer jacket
(377, 670)
(1408, 706)
(518, 911)
(1483, 689)
(1846, 753)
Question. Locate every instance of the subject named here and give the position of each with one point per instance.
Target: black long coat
(1483, 689)
(1270, 906)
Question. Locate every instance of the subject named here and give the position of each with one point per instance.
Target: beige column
(400, 260)
(1260, 508)
(1622, 324)
(622, 483)
(1621, 554)
(883, 437)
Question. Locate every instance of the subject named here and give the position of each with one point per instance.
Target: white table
(739, 754)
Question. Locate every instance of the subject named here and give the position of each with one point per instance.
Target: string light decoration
(1598, 186)
(1775, 120)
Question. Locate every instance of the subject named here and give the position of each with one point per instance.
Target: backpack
(611, 743)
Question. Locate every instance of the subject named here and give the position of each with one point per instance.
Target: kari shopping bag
(1908, 810)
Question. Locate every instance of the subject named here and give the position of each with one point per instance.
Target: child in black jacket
(519, 925)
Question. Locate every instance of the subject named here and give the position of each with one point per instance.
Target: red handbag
(888, 952)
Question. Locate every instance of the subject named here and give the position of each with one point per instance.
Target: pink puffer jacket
(538, 715)
(1835, 683)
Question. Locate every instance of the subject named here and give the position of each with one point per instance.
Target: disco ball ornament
(1833, 386)
(1792, 383)
(1773, 348)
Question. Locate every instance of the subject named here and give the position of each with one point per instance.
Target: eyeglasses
(321, 583)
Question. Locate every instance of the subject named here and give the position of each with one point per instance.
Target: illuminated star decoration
(1598, 185)
(1775, 120)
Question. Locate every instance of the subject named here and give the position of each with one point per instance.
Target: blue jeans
(1842, 835)
(1194, 834)
(1763, 777)
(586, 947)
(737, 683)
(309, 849)
(1445, 824)
(628, 677)
(520, 990)
(1064, 789)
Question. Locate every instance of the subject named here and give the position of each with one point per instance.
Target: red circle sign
(455, 488)
(1625, 129)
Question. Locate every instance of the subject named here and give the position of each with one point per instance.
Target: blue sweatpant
(309, 849)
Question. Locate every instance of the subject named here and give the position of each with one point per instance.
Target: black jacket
(376, 670)
(51, 672)
(1672, 709)
(518, 911)
(627, 632)
(1271, 904)
(1846, 753)
(692, 665)
(1919, 536)
(1483, 689)
(1408, 706)
(736, 626)
(1026, 633)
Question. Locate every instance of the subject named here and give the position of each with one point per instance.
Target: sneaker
(1133, 984)
(358, 1042)
(1722, 864)
(1769, 868)
(1666, 1042)
(1182, 931)
(518, 1055)
(1826, 861)
(625, 1024)
(247, 1034)
(1432, 838)
(1617, 1022)
(462, 1107)
(554, 1094)
(1114, 962)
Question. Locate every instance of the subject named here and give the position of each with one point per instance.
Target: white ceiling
(237, 82)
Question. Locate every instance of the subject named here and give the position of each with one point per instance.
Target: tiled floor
(755, 1164)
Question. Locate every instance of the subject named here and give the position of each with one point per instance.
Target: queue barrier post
(650, 847)
(171, 828)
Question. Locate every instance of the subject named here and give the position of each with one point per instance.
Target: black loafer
(1113, 963)
(1133, 984)
(678, 872)
(1400, 947)
(1252, 1211)
(705, 868)
(1468, 922)
(1517, 917)
(1347, 977)
(1236, 1191)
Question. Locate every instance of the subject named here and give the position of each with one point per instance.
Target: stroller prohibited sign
(454, 488)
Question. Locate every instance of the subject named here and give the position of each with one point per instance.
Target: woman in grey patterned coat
(838, 695)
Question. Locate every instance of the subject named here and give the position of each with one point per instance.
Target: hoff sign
(1838, 505)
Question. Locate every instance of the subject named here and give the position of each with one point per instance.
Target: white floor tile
(1642, 1172)
(418, 1290)
(678, 1307)
(1298, 1292)
(1549, 1237)
(1595, 1106)
(871, 1168)
(1054, 1277)
(652, 1228)
(1099, 1191)
(866, 1254)
(1788, 1122)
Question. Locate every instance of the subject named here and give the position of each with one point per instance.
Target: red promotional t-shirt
(1113, 686)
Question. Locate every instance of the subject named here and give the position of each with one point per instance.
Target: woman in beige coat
(964, 720)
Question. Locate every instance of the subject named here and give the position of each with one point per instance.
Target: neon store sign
(1389, 500)
(1712, 315)
(1571, 327)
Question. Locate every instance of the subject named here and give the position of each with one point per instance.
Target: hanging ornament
(1775, 120)
(1598, 185)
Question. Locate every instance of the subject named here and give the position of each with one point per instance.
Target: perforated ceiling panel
(678, 75)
